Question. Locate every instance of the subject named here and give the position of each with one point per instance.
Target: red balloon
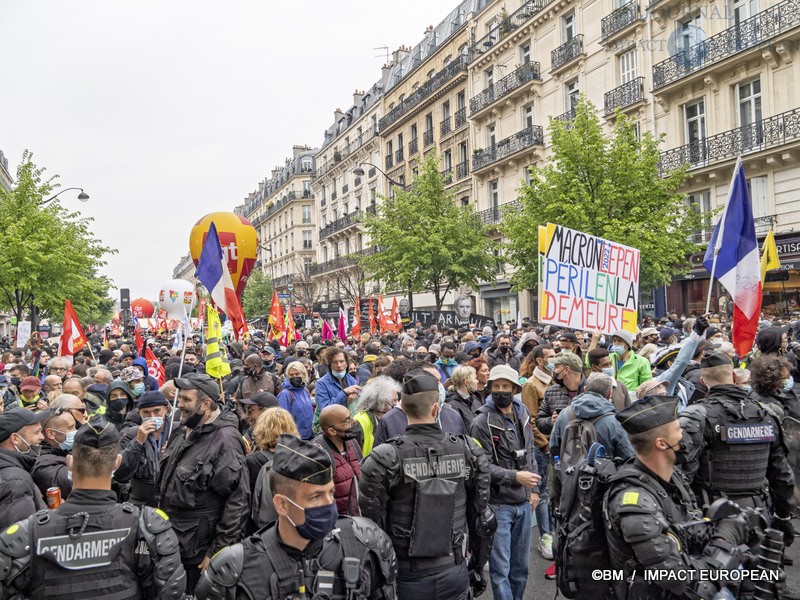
(142, 308)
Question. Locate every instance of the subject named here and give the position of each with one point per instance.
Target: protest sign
(23, 333)
(587, 282)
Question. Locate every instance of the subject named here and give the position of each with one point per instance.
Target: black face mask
(433, 357)
(296, 382)
(681, 457)
(422, 356)
(502, 399)
(15, 381)
(194, 420)
(251, 372)
(504, 349)
(118, 405)
(352, 433)
(301, 353)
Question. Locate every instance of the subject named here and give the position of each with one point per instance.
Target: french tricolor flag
(732, 257)
(212, 271)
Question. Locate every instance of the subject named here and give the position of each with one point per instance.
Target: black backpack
(579, 544)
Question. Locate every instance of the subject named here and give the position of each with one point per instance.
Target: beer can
(53, 497)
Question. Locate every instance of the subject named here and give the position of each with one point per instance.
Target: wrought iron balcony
(761, 135)
(389, 161)
(445, 126)
(493, 215)
(344, 222)
(398, 155)
(620, 19)
(529, 71)
(750, 33)
(340, 262)
(422, 93)
(625, 95)
(342, 153)
(507, 25)
(462, 170)
(276, 206)
(448, 175)
(306, 193)
(566, 53)
(413, 147)
(283, 281)
(566, 117)
(461, 117)
(427, 138)
(530, 136)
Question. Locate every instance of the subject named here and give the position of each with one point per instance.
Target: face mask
(503, 349)
(747, 388)
(617, 349)
(442, 393)
(70, 439)
(33, 449)
(296, 382)
(350, 434)
(320, 520)
(339, 374)
(157, 421)
(15, 381)
(608, 371)
(194, 420)
(448, 361)
(788, 384)
(422, 356)
(250, 372)
(502, 399)
(138, 389)
(433, 357)
(408, 351)
(680, 453)
(551, 364)
(119, 404)
(301, 353)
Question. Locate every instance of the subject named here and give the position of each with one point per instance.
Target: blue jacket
(445, 371)
(609, 432)
(328, 390)
(150, 383)
(298, 402)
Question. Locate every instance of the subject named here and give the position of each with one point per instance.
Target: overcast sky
(166, 110)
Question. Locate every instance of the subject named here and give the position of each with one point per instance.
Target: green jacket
(634, 372)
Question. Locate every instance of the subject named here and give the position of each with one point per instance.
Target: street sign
(284, 296)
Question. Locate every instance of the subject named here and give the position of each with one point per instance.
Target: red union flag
(72, 337)
(154, 367)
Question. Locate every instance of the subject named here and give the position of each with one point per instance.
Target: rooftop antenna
(384, 53)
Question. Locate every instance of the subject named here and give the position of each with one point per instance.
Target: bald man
(74, 387)
(338, 437)
(71, 404)
(52, 383)
(103, 376)
(50, 468)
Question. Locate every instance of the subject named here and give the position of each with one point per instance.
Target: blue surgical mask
(618, 349)
(747, 388)
(442, 393)
(320, 520)
(138, 389)
(70, 439)
(608, 371)
(157, 421)
(788, 384)
(551, 364)
(339, 374)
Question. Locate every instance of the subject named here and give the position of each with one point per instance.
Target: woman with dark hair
(773, 384)
(772, 341)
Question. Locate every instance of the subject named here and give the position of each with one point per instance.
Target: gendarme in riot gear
(429, 490)
(90, 546)
(309, 552)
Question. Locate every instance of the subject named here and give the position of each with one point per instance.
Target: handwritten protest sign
(587, 282)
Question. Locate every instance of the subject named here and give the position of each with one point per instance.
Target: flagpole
(720, 233)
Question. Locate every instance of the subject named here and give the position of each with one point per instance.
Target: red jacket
(346, 473)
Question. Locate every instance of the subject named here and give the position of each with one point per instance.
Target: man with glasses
(50, 469)
(59, 366)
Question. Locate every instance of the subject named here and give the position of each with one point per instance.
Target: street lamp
(359, 172)
(83, 196)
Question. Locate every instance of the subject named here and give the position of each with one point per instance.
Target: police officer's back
(310, 551)
(647, 506)
(428, 490)
(90, 546)
(733, 447)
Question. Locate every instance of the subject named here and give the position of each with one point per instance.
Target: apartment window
(527, 176)
(758, 196)
(373, 194)
(527, 116)
(461, 100)
(448, 160)
(687, 34)
(306, 214)
(627, 66)
(525, 53)
(491, 135)
(494, 194)
(306, 240)
(701, 203)
(568, 27)
(462, 152)
(305, 164)
(413, 132)
(743, 10)
(429, 122)
(346, 209)
(488, 77)
(465, 201)
(695, 118)
(500, 267)
(749, 100)
(306, 188)
(307, 267)
(389, 148)
(572, 93)
(347, 246)
(446, 110)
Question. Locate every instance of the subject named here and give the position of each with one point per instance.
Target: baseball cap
(264, 399)
(30, 383)
(568, 359)
(199, 381)
(15, 419)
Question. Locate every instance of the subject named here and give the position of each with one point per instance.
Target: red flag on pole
(276, 319)
(356, 328)
(382, 317)
(395, 316)
(154, 367)
(373, 327)
(72, 337)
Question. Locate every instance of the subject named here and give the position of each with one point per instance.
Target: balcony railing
(342, 153)
(389, 161)
(507, 25)
(398, 155)
(493, 215)
(423, 92)
(448, 175)
(566, 52)
(283, 281)
(531, 136)
(529, 71)
(461, 117)
(620, 19)
(344, 222)
(445, 126)
(766, 133)
(427, 138)
(277, 205)
(625, 95)
(340, 262)
(462, 170)
(566, 117)
(749, 33)
(413, 147)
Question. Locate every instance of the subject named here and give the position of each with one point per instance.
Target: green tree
(427, 242)
(47, 254)
(609, 186)
(257, 296)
